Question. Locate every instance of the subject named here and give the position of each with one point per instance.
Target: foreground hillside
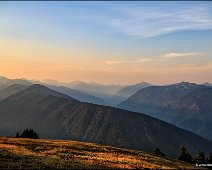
(29, 153)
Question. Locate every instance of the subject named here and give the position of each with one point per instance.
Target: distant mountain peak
(185, 85)
(16, 85)
(144, 83)
(207, 84)
(8, 91)
(2, 77)
(37, 86)
(43, 90)
(129, 90)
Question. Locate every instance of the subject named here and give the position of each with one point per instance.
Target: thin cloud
(162, 19)
(161, 58)
(115, 61)
(144, 60)
(140, 19)
(120, 61)
(173, 55)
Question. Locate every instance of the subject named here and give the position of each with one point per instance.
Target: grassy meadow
(22, 153)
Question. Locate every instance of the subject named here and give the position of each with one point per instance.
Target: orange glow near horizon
(36, 61)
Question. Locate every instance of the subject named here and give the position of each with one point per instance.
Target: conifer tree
(17, 135)
(210, 158)
(29, 133)
(200, 157)
(158, 152)
(184, 155)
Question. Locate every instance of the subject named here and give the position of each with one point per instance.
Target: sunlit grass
(40, 153)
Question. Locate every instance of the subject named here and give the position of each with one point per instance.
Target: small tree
(184, 155)
(200, 157)
(17, 135)
(206, 160)
(158, 152)
(210, 158)
(29, 133)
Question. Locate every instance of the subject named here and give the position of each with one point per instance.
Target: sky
(107, 42)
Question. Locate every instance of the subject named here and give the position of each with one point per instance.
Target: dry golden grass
(37, 154)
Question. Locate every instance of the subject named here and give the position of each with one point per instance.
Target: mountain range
(58, 116)
(104, 92)
(8, 91)
(5, 82)
(10, 86)
(207, 84)
(101, 91)
(78, 95)
(127, 91)
(186, 105)
(111, 94)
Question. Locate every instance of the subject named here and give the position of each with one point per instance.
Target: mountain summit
(186, 105)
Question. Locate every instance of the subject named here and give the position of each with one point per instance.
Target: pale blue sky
(112, 35)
